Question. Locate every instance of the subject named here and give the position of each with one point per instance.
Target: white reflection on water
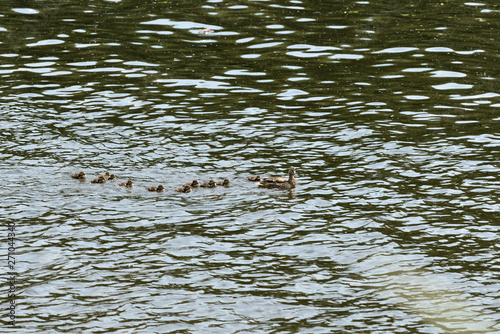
(445, 301)
(392, 228)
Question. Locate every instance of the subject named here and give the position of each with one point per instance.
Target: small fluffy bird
(224, 183)
(80, 176)
(99, 179)
(127, 184)
(209, 184)
(158, 189)
(184, 189)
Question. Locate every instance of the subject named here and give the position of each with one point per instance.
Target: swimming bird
(158, 189)
(224, 183)
(104, 175)
(281, 182)
(127, 184)
(99, 179)
(184, 189)
(111, 177)
(209, 184)
(79, 176)
(194, 184)
(254, 178)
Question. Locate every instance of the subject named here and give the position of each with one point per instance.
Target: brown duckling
(99, 179)
(224, 183)
(111, 177)
(158, 189)
(127, 184)
(194, 184)
(209, 184)
(281, 182)
(79, 176)
(104, 175)
(254, 178)
(184, 189)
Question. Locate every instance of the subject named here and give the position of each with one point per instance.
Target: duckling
(224, 183)
(158, 189)
(127, 184)
(254, 178)
(281, 182)
(112, 177)
(209, 184)
(99, 179)
(79, 176)
(104, 175)
(184, 189)
(194, 184)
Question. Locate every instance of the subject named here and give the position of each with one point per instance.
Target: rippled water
(389, 112)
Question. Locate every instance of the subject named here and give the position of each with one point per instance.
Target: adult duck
(281, 182)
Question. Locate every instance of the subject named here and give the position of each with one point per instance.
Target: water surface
(389, 112)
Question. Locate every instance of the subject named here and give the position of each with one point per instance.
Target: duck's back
(275, 179)
(283, 185)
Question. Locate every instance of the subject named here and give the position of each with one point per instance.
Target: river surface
(388, 110)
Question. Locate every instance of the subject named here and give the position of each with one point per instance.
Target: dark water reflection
(387, 110)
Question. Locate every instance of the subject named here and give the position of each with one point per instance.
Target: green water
(388, 111)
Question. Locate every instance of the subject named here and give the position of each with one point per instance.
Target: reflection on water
(388, 111)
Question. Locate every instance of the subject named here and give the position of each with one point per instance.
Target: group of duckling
(186, 188)
(266, 182)
(101, 178)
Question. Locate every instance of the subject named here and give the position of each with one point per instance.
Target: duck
(128, 184)
(99, 179)
(158, 189)
(104, 175)
(209, 184)
(194, 184)
(224, 183)
(112, 177)
(184, 189)
(81, 175)
(281, 182)
(254, 178)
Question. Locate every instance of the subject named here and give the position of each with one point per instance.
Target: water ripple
(392, 226)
